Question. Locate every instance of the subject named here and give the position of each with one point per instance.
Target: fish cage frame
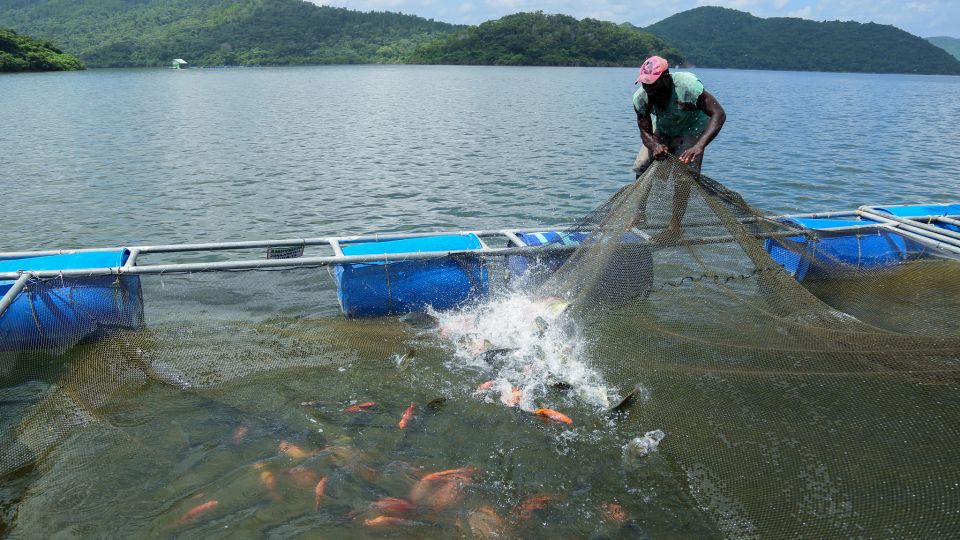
(916, 228)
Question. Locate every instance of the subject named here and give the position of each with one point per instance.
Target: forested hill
(949, 44)
(22, 53)
(536, 39)
(116, 33)
(727, 38)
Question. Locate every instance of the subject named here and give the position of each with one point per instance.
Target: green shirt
(681, 116)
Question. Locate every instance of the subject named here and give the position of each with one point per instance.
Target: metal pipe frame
(512, 236)
(936, 233)
(917, 221)
(14, 290)
(307, 262)
(948, 219)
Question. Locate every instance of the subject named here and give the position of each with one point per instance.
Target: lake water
(110, 157)
(768, 426)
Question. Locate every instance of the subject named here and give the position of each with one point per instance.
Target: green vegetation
(535, 39)
(21, 53)
(949, 44)
(121, 33)
(726, 38)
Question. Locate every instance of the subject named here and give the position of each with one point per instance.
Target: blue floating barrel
(830, 253)
(519, 265)
(626, 274)
(62, 312)
(390, 288)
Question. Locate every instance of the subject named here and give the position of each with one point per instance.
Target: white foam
(546, 348)
(642, 446)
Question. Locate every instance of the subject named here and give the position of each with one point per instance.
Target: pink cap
(651, 69)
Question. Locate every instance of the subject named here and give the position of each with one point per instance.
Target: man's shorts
(676, 146)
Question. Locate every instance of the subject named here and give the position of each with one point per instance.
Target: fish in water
(484, 522)
(407, 416)
(512, 397)
(404, 362)
(627, 401)
(442, 489)
(612, 512)
(537, 503)
(435, 404)
(361, 407)
(239, 434)
(484, 387)
(494, 357)
(294, 451)
(393, 506)
(553, 416)
(268, 479)
(388, 521)
(303, 476)
(197, 510)
(318, 492)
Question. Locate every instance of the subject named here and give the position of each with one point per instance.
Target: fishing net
(726, 376)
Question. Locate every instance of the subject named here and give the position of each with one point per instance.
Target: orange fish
(268, 479)
(462, 471)
(485, 523)
(531, 505)
(294, 451)
(612, 512)
(393, 506)
(443, 488)
(361, 407)
(303, 476)
(512, 398)
(197, 510)
(553, 416)
(407, 415)
(318, 492)
(483, 387)
(239, 434)
(386, 521)
(448, 492)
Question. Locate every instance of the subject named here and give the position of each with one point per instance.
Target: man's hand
(692, 154)
(659, 151)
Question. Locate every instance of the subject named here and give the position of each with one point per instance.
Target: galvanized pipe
(274, 264)
(948, 220)
(949, 237)
(896, 228)
(14, 290)
(327, 240)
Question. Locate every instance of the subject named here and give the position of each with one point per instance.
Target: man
(687, 119)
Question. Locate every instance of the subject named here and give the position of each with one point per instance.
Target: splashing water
(531, 350)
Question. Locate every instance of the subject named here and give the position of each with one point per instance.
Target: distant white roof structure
(179, 61)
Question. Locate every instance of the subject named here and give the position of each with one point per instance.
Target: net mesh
(713, 393)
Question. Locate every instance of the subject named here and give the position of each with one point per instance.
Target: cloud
(922, 17)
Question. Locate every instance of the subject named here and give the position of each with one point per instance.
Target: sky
(924, 18)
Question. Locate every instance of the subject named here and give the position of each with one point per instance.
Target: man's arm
(709, 105)
(657, 150)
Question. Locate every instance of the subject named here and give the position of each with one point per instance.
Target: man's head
(651, 75)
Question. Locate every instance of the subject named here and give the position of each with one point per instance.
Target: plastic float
(869, 238)
(59, 298)
(63, 311)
